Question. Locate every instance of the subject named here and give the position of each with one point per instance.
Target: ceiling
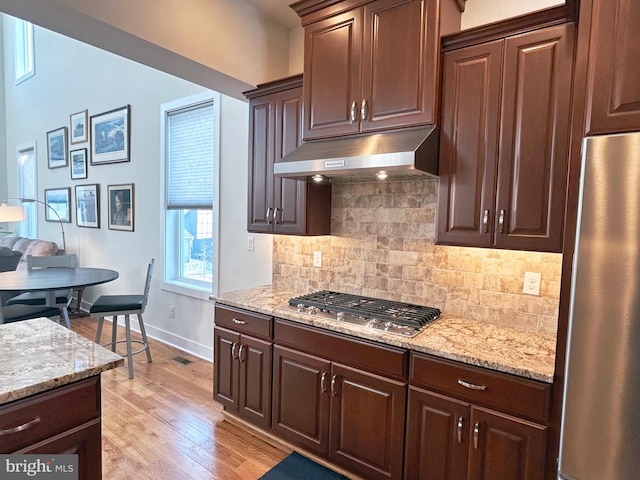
(279, 10)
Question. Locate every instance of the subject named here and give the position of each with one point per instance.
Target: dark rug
(297, 467)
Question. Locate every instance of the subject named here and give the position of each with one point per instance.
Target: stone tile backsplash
(383, 245)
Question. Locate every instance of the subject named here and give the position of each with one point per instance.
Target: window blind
(190, 157)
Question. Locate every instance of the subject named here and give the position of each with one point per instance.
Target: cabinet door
(254, 401)
(225, 367)
(367, 423)
(534, 141)
(332, 75)
(505, 447)
(301, 399)
(84, 441)
(399, 65)
(437, 433)
(261, 138)
(289, 194)
(614, 68)
(469, 144)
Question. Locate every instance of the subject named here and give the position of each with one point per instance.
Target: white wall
(89, 78)
(481, 12)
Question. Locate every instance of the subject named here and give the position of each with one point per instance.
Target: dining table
(51, 279)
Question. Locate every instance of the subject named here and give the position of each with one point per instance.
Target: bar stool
(115, 305)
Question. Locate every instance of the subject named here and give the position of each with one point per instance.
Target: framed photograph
(110, 136)
(121, 207)
(78, 123)
(78, 163)
(88, 205)
(59, 199)
(57, 148)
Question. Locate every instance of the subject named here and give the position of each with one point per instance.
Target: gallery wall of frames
(89, 142)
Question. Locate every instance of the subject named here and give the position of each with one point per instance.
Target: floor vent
(182, 360)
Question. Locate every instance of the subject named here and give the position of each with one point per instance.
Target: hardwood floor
(164, 424)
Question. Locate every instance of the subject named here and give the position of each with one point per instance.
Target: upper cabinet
(371, 66)
(613, 103)
(281, 205)
(504, 141)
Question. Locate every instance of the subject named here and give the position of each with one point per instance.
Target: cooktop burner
(394, 317)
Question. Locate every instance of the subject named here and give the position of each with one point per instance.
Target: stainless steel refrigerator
(600, 436)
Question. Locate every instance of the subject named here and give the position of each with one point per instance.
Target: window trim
(30, 226)
(172, 284)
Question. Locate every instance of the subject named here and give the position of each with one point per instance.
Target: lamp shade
(11, 214)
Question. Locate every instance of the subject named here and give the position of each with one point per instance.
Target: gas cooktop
(393, 317)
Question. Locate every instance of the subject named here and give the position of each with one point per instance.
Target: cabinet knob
(364, 110)
(354, 112)
(476, 434)
(485, 221)
(459, 429)
(501, 221)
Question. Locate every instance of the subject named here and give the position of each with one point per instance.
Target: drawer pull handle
(471, 386)
(459, 429)
(20, 428)
(333, 386)
(239, 322)
(323, 382)
(476, 434)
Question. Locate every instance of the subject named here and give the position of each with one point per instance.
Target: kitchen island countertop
(38, 355)
(472, 342)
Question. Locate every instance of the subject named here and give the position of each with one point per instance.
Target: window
(23, 50)
(190, 149)
(27, 188)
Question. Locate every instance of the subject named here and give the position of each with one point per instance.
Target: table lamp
(10, 213)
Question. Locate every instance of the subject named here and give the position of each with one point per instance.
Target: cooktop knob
(313, 310)
(300, 307)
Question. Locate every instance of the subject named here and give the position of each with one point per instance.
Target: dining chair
(62, 297)
(16, 313)
(115, 305)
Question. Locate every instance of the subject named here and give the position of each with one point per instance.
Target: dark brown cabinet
(373, 67)
(277, 205)
(463, 437)
(242, 364)
(613, 101)
(504, 141)
(354, 418)
(65, 420)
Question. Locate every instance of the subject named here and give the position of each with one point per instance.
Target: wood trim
(511, 26)
(274, 86)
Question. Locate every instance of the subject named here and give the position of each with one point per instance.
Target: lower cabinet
(456, 439)
(242, 365)
(352, 417)
(63, 420)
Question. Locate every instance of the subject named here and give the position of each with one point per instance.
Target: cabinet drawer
(375, 358)
(58, 410)
(507, 393)
(243, 321)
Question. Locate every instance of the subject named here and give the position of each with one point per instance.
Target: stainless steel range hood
(400, 153)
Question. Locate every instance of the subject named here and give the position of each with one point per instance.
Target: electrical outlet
(250, 244)
(317, 259)
(532, 283)
(172, 311)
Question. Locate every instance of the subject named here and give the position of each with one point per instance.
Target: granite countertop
(38, 355)
(490, 346)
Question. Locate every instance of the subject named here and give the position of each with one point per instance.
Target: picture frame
(88, 205)
(121, 207)
(58, 201)
(78, 127)
(110, 136)
(78, 162)
(57, 149)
